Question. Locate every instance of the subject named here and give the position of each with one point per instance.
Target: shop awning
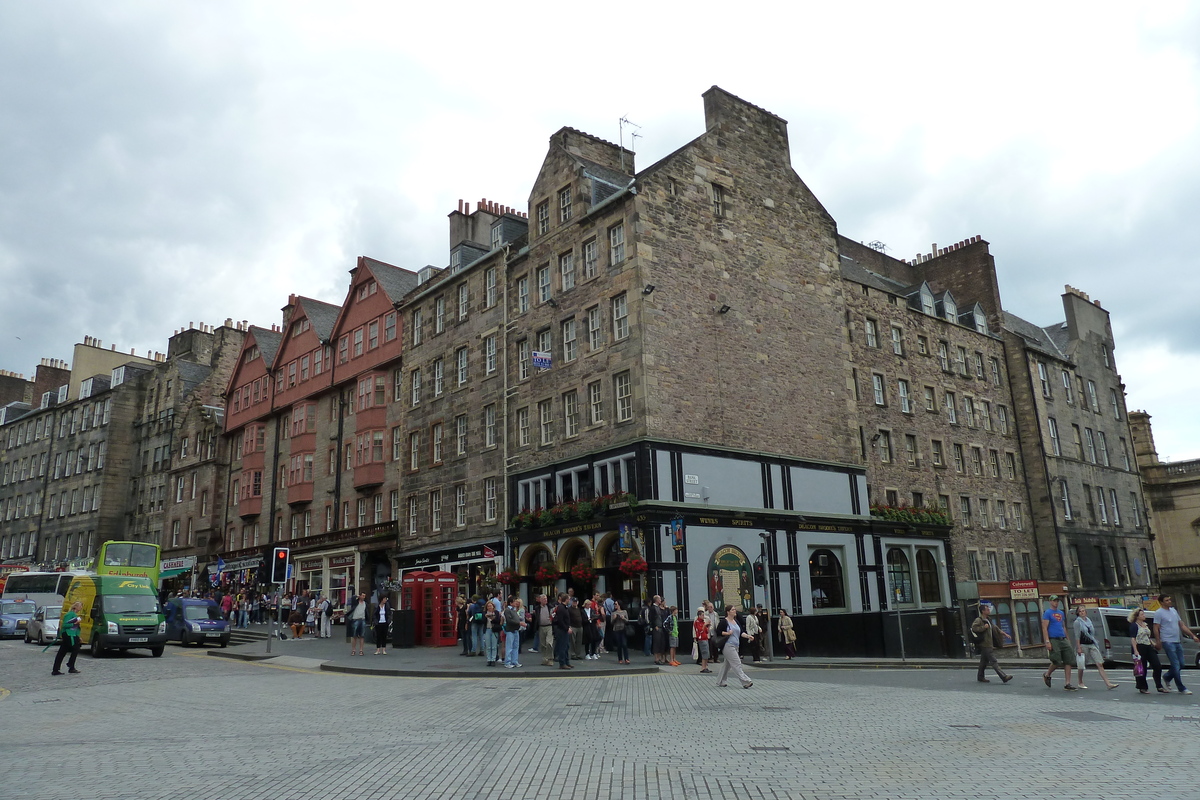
(173, 573)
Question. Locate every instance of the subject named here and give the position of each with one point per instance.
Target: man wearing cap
(989, 636)
(1054, 637)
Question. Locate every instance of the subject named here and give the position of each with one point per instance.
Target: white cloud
(186, 162)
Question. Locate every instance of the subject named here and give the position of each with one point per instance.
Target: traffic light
(279, 564)
(760, 574)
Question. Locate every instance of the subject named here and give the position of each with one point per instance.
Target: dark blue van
(196, 621)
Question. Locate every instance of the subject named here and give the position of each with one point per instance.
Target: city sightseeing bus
(129, 559)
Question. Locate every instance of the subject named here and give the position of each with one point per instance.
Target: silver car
(43, 628)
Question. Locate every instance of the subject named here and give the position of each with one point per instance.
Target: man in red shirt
(700, 635)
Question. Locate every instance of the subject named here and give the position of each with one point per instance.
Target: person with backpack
(326, 610)
(475, 615)
(986, 636)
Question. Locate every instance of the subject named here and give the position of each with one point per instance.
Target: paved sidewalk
(445, 662)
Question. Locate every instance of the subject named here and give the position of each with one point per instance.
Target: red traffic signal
(279, 564)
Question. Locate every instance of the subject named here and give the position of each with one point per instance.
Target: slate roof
(191, 374)
(1034, 337)
(396, 281)
(268, 343)
(856, 272)
(322, 316)
(610, 176)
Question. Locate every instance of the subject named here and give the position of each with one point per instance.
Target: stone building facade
(936, 412)
(1083, 481)
(1173, 499)
(65, 463)
(176, 485)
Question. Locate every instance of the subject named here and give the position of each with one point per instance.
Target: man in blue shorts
(1058, 646)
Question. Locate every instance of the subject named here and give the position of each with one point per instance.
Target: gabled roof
(268, 343)
(395, 281)
(1060, 335)
(1034, 337)
(322, 316)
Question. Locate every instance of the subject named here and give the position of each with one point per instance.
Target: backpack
(977, 636)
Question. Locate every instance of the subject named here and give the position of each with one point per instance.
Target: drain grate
(607, 701)
(1086, 716)
(966, 726)
(573, 705)
(776, 708)
(55, 700)
(764, 749)
(1181, 719)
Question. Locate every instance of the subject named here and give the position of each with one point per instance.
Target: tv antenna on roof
(633, 137)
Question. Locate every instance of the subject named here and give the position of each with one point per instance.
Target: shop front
(853, 586)
(474, 564)
(177, 574)
(1017, 609)
(339, 564)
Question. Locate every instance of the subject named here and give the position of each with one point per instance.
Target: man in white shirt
(1167, 627)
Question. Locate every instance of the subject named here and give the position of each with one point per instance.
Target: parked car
(14, 617)
(196, 621)
(43, 628)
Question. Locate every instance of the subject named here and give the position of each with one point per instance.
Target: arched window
(899, 576)
(928, 579)
(825, 575)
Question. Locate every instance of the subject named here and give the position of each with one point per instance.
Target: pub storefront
(689, 524)
(473, 563)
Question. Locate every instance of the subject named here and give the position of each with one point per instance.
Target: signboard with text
(1023, 590)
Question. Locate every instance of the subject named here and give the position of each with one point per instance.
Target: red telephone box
(435, 619)
(412, 597)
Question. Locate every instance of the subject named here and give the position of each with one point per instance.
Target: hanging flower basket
(634, 565)
(583, 573)
(509, 578)
(545, 575)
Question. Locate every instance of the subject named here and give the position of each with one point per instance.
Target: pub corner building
(685, 522)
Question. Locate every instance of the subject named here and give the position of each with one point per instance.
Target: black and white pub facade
(690, 523)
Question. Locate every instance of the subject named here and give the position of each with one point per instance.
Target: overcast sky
(162, 163)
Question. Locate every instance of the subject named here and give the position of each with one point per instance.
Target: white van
(1112, 624)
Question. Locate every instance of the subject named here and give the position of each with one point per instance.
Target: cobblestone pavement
(191, 726)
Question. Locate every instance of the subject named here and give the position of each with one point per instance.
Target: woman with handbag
(1145, 655)
(787, 635)
(1086, 647)
(731, 631)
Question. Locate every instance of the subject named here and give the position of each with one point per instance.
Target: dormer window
(980, 321)
(927, 305)
(118, 376)
(950, 308)
(497, 235)
(367, 289)
(455, 261)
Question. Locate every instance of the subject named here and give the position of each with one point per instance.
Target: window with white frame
(872, 330)
(569, 343)
(897, 341)
(489, 499)
(489, 425)
(413, 516)
(905, 400)
(564, 204)
(951, 410)
(878, 390)
(623, 390)
(546, 421)
(489, 353)
(460, 434)
(595, 403)
(1065, 498)
(1055, 444)
(435, 510)
(523, 426)
(591, 258)
(523, 294)
(566, 271)
(414, 450)
(616, 244)
(570, 402)
(543, 283)
(620, 317)
(460, 358)
(523, 359)
(460, 506)
(416, 326)
(415, 385)
(489, 286)
(595, 331)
